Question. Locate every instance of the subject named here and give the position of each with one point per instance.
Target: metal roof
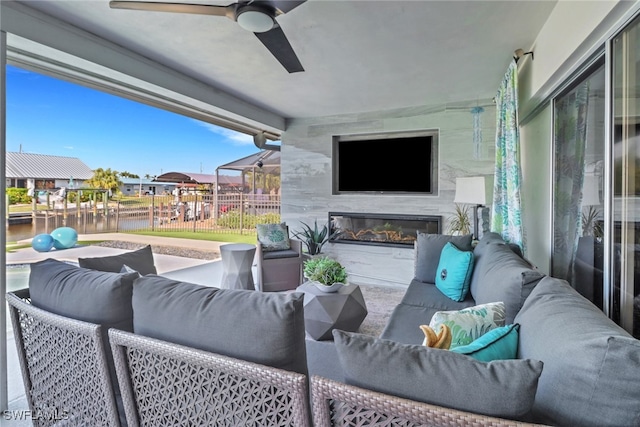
(270, 160)
(43, 166)
(196, 178)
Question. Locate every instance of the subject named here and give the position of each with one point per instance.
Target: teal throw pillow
(454, 272)
(497, 344)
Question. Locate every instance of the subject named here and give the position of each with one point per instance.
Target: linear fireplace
(381, 229)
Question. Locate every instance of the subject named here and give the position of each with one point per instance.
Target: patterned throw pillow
(273, 237)
(470, 323)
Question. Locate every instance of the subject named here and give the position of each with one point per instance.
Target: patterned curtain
(506, 209)
(570, 138)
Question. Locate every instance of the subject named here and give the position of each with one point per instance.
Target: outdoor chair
(165, 384)
(64, 367)
(278, 269)
(339, 404)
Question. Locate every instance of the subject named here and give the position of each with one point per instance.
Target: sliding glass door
(579, 147)
(625, 257)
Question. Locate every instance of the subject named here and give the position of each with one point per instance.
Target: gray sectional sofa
(574, 366)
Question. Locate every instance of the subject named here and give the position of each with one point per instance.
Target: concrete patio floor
(204, 272)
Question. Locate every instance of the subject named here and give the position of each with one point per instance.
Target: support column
(3, 234)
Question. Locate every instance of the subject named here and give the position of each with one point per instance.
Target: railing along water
(226, 213)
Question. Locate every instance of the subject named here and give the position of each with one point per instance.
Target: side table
(237, 259)
(326, 311)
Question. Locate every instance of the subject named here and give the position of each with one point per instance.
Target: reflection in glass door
(625, 292)
(578, 204)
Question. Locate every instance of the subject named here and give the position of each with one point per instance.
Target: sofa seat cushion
(265, 328)
(140, 260)
(591, 365)
(502, 388)
(500, 274)
(285, 253)
(98, 297)
(427, 249)
(404, 323)
(427, 295)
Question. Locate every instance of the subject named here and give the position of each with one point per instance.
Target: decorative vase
(329, 289)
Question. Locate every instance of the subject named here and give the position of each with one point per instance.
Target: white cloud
(68, 147)
(233, 137)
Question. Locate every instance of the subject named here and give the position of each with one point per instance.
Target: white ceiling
(358, 56)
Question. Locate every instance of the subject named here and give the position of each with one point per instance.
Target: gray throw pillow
(140, 260)
(501, 275)
(591, 371)
(501, 388)
(427, 249)
(92, 296)
(265, 328)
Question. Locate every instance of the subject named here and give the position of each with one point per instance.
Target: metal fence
(226, 213)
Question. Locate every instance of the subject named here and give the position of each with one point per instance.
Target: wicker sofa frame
(165, 384)
(339, 404)
(64, 367)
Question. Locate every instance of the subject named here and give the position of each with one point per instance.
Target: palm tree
(105, 179)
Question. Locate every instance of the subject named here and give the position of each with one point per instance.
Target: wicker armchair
(64, 367)
(165, 384)
(338, 404)
(279, 270)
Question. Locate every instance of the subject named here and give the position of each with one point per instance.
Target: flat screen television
(390, 163)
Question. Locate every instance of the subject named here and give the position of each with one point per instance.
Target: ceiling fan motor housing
(257, 17)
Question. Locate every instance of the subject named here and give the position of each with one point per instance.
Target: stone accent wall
(306, 178)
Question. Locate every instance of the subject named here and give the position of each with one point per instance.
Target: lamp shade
(474, 190)
(591, 190)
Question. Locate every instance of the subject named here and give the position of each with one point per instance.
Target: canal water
(16, 232)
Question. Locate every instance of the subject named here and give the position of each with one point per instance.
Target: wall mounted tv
(386, 163)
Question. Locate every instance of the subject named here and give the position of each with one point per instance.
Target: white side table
(237, 259)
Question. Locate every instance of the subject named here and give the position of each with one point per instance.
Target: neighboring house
(191, 181)
(45, 172)
(135, 186)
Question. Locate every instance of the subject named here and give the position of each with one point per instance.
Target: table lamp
(473, 191)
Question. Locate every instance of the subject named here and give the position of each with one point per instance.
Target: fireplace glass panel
(381, 229)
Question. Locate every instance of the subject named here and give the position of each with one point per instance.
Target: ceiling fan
(257, 16)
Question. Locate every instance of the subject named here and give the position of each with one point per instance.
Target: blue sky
(50, 116)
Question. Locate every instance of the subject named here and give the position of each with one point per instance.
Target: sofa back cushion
(500, 274)
(140, 260)
(427, 250)
(265, 328)
(98, 297)
(591, 365)
(502, 388)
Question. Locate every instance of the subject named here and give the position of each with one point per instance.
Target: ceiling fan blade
(199, 9)
(279, 46)
(285, 6)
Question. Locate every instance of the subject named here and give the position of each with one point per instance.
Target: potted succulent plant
(325, 273)
(313, 238)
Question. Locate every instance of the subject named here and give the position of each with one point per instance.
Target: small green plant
(459, 221)
(590, 225)
(325, 270)
(313, 238)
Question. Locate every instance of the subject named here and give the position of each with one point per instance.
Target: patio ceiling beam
(127, 71)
